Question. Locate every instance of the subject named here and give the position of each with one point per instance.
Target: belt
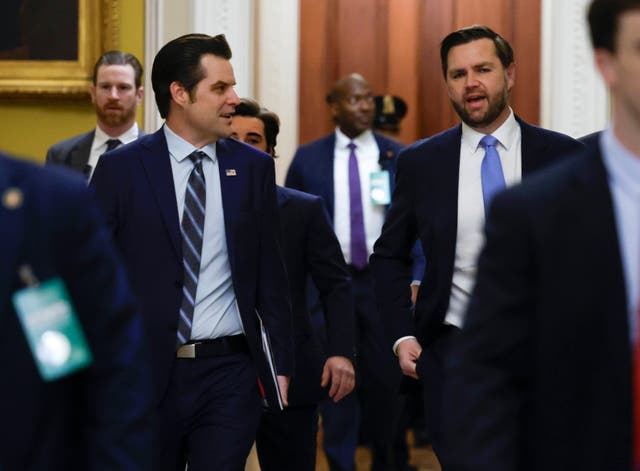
(213, 347)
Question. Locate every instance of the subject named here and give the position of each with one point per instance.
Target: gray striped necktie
(192, 228)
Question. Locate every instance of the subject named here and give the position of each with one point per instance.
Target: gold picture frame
(97, 33)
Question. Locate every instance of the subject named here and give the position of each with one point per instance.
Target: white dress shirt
(99, 145)
(368, 155)
(470, 233)
(216, 312)
(471, 217)
(623, 169)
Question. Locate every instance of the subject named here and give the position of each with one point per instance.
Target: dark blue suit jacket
(97, 418)
(134, 186)
(543, 365)
(311, 248)
(311, 171)
(425, 206)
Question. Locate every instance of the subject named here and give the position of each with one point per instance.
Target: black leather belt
(213, 347)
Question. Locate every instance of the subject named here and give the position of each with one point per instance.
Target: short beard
(495, 109)
(115, 119)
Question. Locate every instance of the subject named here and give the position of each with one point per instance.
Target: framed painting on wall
(49, 47)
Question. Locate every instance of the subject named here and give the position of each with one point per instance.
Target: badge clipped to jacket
(51, 326)
(379, 187)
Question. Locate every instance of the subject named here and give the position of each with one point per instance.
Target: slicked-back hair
(179, 61)
(251, 108)
(474, 33)
(604, 16)
(119, 58)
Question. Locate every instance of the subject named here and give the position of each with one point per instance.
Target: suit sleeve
(391, 260)
(331, 276)
(117, 390)
(52, 156)
(487, 372)
(295, 177)
(274, 303)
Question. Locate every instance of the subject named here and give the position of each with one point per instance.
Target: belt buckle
(188, 350)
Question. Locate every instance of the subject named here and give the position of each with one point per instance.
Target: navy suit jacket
(541, 375)
(311, 171)
(425, 206)
(311, 247)
(75, 151)
(134, 186)
(96, 418)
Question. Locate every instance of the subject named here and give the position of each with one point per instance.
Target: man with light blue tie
(443, 190)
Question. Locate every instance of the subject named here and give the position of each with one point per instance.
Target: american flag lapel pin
(230, 172)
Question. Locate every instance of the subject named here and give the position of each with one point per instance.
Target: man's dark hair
(473, 33)
(179, 61)
(603, 17)
(252, 109)
(119, 58)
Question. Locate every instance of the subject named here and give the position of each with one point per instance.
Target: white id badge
(379, 187)
(53, 331)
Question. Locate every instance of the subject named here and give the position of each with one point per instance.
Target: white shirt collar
(180, 149)
(100, 137)
(506, 134)
(361, 140)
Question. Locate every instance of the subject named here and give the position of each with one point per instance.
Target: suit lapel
(12, 230)
(446, 181)
(325, 172)
(155, 160)
(79, 154)
(230, 197)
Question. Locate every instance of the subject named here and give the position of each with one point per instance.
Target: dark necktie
(112, 144)
(358, 239)
(490, 171)
(192, 228)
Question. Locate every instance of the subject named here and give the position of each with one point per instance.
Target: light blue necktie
(192, 228)
(490, 171)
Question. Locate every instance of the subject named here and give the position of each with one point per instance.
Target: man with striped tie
(195, 217)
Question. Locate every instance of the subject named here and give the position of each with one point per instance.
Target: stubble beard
(496, 107)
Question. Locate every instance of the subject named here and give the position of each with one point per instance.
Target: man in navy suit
(546, 371)
(324, 168)
(195, 217)
(287, 440)
(97, 417)
(440, 195)
(116, 94)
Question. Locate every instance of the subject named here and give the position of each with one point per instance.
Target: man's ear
(179, 94)
(140, 94)
(510, 73)
(606, 64)
(92, 92)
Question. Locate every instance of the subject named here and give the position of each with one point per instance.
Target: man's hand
(409, 351)
(283, 383)
(339, 370)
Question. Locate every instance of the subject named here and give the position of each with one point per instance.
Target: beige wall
(28, 128)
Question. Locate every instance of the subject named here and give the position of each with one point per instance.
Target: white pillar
(574, 99)
(277, 72)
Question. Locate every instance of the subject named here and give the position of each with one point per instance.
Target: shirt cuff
(416, 283)
(397, 342)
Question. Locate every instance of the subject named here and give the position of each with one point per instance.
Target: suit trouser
(288, 439)
(378, 379)
(431, 371)
(210, 414)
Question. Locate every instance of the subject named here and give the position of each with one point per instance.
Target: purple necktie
(358, 240)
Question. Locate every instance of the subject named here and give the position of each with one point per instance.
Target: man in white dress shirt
(443, 189)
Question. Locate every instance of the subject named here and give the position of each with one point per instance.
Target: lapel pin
(230, 172)
(12, 198)
(389, 154)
